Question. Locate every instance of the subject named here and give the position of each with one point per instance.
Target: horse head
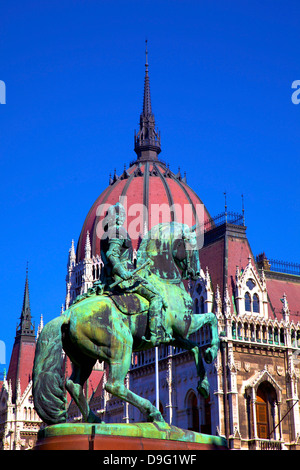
(186, 254)
(173, 249)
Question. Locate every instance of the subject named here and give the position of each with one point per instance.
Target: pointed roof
(147, 108)
(26, 328)
(22, 357)
(147, 140)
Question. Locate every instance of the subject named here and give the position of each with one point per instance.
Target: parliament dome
(150, 192)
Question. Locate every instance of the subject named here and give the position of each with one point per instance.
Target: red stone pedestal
(139, 436)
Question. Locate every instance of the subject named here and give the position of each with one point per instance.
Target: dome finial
(146, 53)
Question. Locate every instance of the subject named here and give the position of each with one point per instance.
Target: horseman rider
(117, 253)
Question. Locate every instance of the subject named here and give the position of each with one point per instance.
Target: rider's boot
(157, 332)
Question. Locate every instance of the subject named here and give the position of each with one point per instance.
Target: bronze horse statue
(103, 327)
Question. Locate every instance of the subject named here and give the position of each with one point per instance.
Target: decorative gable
(251, 292)
(202, 293)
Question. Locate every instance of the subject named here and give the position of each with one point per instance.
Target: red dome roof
(145, 187)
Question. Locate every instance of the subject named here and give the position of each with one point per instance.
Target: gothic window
(262, 417)
(233, 330)
(252, 336)
(193, 413)
(240, 330)
(282, 336)
(196, 306)
(199, 289)
(246, 337)
(201, 305)
(276, 335)
(258, 332)
(270, 334)
(255, 303)
(293, 338)
(264, 334)
(247, 302)
(266, 400)
(250, 284)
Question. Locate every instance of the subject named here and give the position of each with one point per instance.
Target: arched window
(247, 302)
(270, 335)
(258, 333)
(196, 306)
(193, 413)
(201, 305)
(282, 336)
(255, 303)
(262, 415)
(233, 330)
(276, 337)
(266, 400)
(293, 338)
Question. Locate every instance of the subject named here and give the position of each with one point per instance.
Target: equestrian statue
(133, 307)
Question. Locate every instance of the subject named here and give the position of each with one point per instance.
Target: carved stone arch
(263, 376)
(263, 398)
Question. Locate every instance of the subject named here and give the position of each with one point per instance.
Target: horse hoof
(208, 356)
(203, 389)
(156, 416)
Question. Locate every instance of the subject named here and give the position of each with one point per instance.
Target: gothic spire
(147, 140)
(25, 327)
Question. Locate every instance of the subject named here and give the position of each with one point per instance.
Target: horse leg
(118, 368)
(75, 384)
(211, 353)
(203, 384)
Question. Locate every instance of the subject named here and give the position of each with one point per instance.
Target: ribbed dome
(149, 184)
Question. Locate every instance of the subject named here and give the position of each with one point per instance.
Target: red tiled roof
(276, 288)
(212, 256)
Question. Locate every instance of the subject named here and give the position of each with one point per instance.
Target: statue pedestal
(133, 436)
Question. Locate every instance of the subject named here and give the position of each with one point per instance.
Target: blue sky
(220, 74)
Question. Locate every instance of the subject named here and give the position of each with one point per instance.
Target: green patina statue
(131, 309)
(116, 251)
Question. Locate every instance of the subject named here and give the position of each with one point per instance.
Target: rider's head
(116, 214)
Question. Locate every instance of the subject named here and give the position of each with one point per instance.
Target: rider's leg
(156, 306)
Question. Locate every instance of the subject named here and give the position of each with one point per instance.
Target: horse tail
(48, 378)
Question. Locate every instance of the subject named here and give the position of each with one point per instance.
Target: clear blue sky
(220, 74)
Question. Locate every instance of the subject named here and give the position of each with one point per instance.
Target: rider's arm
(113, 255)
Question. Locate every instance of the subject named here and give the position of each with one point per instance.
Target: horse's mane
(157, 245)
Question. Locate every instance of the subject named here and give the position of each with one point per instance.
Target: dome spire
(147, 140)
